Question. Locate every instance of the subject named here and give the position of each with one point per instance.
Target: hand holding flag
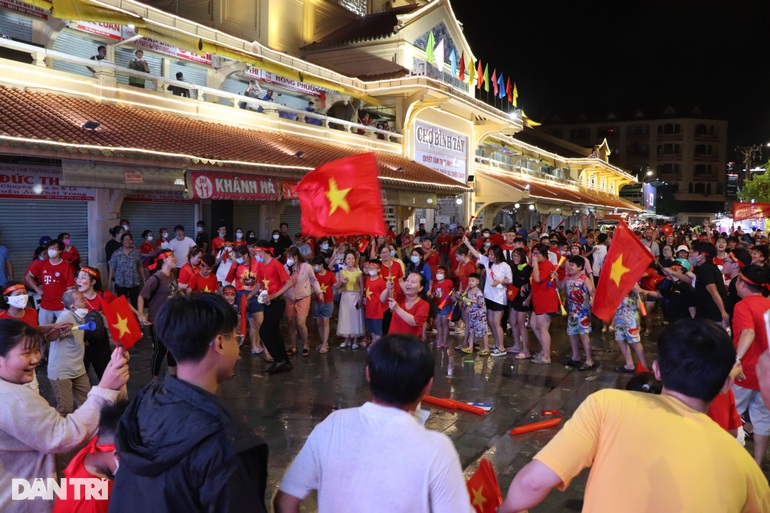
(122, 323)
(484, 489)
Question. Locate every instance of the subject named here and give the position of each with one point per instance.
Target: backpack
(100, 333)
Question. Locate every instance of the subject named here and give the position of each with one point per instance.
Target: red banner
(289, 189)
(231, 186)
(743, 211)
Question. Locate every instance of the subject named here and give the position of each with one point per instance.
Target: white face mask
(199, 229)
(124, 226)
(164, 235)
(238, 235)
(18, 301)
(81, 312)
(53, 253)
(439, 277)
(317, 268)
(275, 237)
(290, 262)
(373, 273)
(150, 238)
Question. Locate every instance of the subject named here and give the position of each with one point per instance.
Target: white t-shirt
(496, 272)
(181, 248)
(376, 458)
(600, 253)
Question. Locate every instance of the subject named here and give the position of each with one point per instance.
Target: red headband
(90, 271)
(765, 286)
(14, 288)
(741, 265)
(163, 254)
(269, 250)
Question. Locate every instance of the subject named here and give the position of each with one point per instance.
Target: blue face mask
(239, 260)
(415, 260)
(324, 247)
(392, 254)
(259, 258)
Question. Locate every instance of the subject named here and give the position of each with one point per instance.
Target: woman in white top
(298, 298)
(499, 275)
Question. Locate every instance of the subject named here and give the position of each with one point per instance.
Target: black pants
(158, 352)
(270, 331)
(98, 354)
(131, 293)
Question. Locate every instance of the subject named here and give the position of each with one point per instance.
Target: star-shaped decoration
(206, 289)
(337, 197)
(478, 497)
(618, 270)
(265, 283)
(368, 292)
(324, 288)
(122, 326)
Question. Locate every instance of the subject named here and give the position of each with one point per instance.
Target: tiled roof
(558, 193)
(32, 120)
(367, 28)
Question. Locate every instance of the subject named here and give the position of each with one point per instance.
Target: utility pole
(747, 152)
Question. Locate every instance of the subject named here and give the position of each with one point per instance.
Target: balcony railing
(523, 171)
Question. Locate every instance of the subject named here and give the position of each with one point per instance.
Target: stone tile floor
(284, 408)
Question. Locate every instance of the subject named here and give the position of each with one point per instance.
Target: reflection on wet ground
(284, 408)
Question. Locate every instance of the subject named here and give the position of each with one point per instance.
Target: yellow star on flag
(265, 283)
(618, 270)
(368, 293)
(478, 497)
(122, 325)
(337, 197)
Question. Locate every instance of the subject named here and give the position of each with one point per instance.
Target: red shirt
(186, 272)
(77, 470)
(146, 248)
(217, 243)
(544, 298)
(198, 283)
(72, 257)
(397, 274)
(441, 290)
(496, 238)
(433, 261)
(34, 267)
(245, 276)
(419, 311)
(272, 276)
(54, 280)
(372, 291)
(465, 270)
(29, 318)
(749, 314)
(723, 411)
(391, 235)
(443, 243)
(326, 281)
(102, 298)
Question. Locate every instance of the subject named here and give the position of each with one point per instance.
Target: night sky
(596, 56)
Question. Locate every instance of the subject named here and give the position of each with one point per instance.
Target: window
(704, 170)
(670, 129)
(637, 130)
(704, 129)
(669, 149)
(700, 188)
(638, 150)
(703, 150)
(668, 169)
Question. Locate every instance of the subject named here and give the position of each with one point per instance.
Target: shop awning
(553, 193)
(49, 125)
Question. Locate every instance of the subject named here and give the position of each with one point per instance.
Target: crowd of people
(397, 295)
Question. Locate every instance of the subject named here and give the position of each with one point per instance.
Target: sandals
(587, 367)
(323, 350)
(624, 370)
(467, 350)
(291, 351)
(305, 351)
(541, 361)
(522, 356)
(483, 353)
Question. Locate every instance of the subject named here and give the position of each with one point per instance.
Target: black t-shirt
(681, 297)
(110, 248)
(732, 297)
(202, 239)
(706, 274)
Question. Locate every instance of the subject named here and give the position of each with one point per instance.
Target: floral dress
(476, 307)
(627, 319)
(578, 306)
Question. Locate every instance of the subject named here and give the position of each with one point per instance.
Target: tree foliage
(757, 188)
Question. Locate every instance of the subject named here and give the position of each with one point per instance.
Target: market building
(85, 141)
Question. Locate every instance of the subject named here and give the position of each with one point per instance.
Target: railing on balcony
(197, 92)
(523, 171)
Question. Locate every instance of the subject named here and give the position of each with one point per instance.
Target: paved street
(284, 408)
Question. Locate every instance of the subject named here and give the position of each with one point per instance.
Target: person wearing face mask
(162, 242)
(218, 242)
(298, 298)
(202, 239)
(240, 238)
(244, 274)
(374, 307)
(225, 259)
(324, 249)
(484, 241)
(393, 272)
(54, 277)
(322, 307)
(710, 291)
(181, 246)
(71, 255)
(125, 225)
(66, 370)
(126, 270)
(98, 459)
(147, 248)
(14, 301)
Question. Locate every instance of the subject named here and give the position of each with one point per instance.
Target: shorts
(298, 308)
(749, 400)
(374, 326)
(578, 325)
(495, 307)
(252, 305)
(630, 335)
(446, 310)
(322, 310)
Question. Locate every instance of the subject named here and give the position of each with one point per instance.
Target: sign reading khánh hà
(38, 182)
(441, 149)
(229, 186)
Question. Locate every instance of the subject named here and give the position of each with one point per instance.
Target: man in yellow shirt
(648, 452)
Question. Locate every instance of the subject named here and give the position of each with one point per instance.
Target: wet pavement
(284, 408)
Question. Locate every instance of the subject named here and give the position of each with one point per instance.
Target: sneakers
(355, 345)
(495, 352)
(346, 343)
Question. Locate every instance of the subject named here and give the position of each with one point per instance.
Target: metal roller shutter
(292, 215)
(15, 26)
(233, 85)
(74, 43)
(23, 222)
(192, 73)
(146, 215)
(246, 217)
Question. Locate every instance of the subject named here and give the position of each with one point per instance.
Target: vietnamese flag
(484, 489)
(625, 263)
(122, 323)
(342, 197)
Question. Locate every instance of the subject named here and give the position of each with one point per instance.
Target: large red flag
(122, 323)
(484, 489)
(625, 263)
(342, 197)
